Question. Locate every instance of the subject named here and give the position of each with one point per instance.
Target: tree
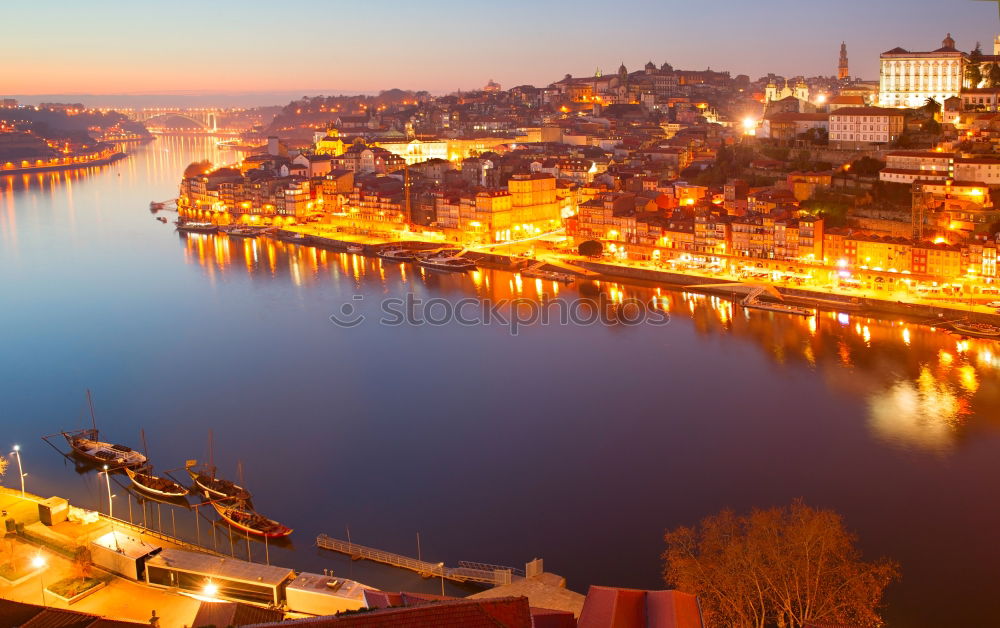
(3, 466)
(867, 167)
(973, 72)
(196, 168)
(782, 566)
(993, 76)
(931, 107)
(591, 248)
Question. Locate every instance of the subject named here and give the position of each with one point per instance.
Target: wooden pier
(466, 572)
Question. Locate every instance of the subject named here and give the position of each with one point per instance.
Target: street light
(210, 589)
(38, 562)
(441, 567)
(107, 478)
(20, 471)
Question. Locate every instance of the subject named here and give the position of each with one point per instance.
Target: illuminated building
(909, 166)
(416, 151)
(856, 127)
(534, 205)
(908, 79)
(330, 144)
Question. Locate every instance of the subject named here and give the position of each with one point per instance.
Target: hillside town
(880, 185)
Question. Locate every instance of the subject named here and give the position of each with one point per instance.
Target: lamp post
(38, 562)
(107, 480)
(441, 567)
(20, 471)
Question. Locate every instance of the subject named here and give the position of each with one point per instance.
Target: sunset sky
(113, 46)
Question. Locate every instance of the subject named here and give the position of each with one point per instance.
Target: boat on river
(144, 480)
(976, 330)
(197, 227)
(778, 307)
(86, 444)
(551, 275)
(243, 232)
(214, 487)
(397, 255)
(355, 248)
(250, 521)
(448, 264)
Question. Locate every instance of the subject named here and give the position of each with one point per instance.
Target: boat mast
(145, 451)
(93, 417)
(211, 453)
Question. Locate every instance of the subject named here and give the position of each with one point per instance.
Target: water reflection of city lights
(921, 414)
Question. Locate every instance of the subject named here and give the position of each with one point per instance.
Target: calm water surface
(576, 444)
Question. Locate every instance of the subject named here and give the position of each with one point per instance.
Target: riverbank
(925, 310)
(814, 298)
(104, 161)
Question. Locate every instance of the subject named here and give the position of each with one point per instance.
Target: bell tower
(843, 72)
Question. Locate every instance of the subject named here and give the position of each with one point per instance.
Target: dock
(481, 573)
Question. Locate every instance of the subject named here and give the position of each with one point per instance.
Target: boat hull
(232, 517)
(976, 333)
(135, 477)
(114, 456)
(449, 268)
(237, 492)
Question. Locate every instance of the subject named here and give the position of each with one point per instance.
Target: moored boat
(250, 521)
(216, 488)
(86, 444)
(242, 232)
(397, 255)
(197, 227)
(777, 307)
(549, 275)
(977, 330)
(144, 480)
(355, 248)
(450, 264)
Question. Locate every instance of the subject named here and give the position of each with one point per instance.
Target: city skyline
(434, 46)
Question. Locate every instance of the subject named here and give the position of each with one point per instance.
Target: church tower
(843, 73)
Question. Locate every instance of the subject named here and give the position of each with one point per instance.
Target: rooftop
(228, 568)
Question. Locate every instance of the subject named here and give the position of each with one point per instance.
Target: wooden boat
(976, 330)
(250, 521)
(144, 480)
(86, 444)
(355, 248)
(548, 274)
(242, 232)
(449, 264)
(216, 488)
(777, 307)
(197, 227)
(397, 255)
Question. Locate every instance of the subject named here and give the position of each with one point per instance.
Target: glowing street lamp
(107, 480)
(38, 562)
(20, 471)
(210, 589)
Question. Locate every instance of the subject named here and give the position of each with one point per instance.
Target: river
(579, 444)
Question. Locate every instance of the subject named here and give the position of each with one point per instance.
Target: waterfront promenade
(896, 303)
(120, 598)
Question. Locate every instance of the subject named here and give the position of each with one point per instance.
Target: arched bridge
(207, 119)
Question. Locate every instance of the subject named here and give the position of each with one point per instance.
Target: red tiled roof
(608, 607)
(867, 111)
(510, 612)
